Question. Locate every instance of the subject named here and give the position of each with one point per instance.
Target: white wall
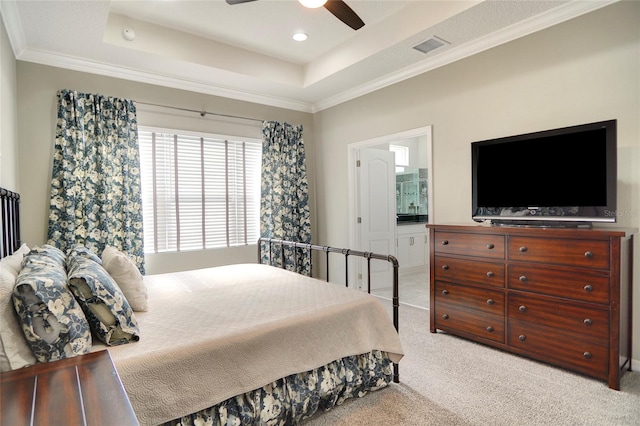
(8, 117)
(577, 72)
(37, 87)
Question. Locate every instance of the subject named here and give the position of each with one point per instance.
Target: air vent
(430, 44)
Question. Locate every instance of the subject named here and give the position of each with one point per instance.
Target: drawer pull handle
(588, 321)
(588, 288)
(490, 329)
(587, 355)
(523, 249)
(522, 308)
(445, 242)
(588, 254)
(445, 316)
(445, 292)
(490, 246)
(490, 302)
(490, 274)
(522, 337)
(523, 279)
(445, 267)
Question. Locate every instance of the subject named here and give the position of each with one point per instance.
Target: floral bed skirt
(289, 400)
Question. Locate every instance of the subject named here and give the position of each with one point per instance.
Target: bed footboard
(271, 244)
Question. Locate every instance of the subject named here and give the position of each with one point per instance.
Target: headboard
(10, 221)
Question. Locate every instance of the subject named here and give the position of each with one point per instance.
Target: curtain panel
(284, 202)
(95, 186)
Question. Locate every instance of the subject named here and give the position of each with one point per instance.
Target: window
(199, 191)
(402, 156)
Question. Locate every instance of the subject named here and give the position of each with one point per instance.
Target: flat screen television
(560, 177)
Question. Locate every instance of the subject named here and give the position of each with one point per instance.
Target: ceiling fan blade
(344, 13)
(238, 1)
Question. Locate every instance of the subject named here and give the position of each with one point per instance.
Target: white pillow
(4, 361)
(14, 261)
(15, 353)
(127, 276)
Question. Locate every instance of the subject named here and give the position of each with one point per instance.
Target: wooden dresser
(82, 390)
(562, 296)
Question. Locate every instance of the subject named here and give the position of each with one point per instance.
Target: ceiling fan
(337, 7)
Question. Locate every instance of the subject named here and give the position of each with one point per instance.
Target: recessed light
(300, 36)
(129, 34)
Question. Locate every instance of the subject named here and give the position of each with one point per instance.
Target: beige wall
(8, 117)
(37, 87)
(581, 71)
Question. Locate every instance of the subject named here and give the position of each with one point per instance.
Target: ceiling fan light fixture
(312, 4)
(299, 36)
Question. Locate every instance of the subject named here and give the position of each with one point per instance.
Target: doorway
(410, 245)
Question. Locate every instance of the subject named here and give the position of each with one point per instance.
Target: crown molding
(11, 19)
(570, 10)
(108, 70)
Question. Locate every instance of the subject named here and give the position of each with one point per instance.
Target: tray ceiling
(246, 52)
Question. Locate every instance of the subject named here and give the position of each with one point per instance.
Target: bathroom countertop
(411, 219)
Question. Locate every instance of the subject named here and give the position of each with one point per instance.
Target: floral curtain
(95, 186)
(284, 203)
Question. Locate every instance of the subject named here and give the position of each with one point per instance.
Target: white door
(377, 212)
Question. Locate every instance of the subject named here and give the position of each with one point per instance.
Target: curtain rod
(202, 113)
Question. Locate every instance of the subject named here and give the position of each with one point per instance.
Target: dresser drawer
(579, 285)
(579, 320)
(455, 318)
(559, 348)
(578, 253)
(470, 310)
(469, 271)
(472, 298)
(483, 245)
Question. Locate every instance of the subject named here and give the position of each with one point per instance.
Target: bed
(252, 343)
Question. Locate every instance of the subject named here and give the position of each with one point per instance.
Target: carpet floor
(446, 380)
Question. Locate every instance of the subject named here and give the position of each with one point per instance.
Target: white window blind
(198, 191)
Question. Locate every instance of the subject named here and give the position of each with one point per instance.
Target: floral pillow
(105, 306)
(52, 321)
(46, 255)
(85, 252)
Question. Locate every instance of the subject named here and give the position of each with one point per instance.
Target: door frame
(352, 148)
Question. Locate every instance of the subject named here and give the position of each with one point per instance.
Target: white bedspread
(214, 333)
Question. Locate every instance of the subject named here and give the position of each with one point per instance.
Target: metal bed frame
(272, 243)
(10, 218)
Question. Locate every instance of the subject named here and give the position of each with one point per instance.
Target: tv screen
(562, 176)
